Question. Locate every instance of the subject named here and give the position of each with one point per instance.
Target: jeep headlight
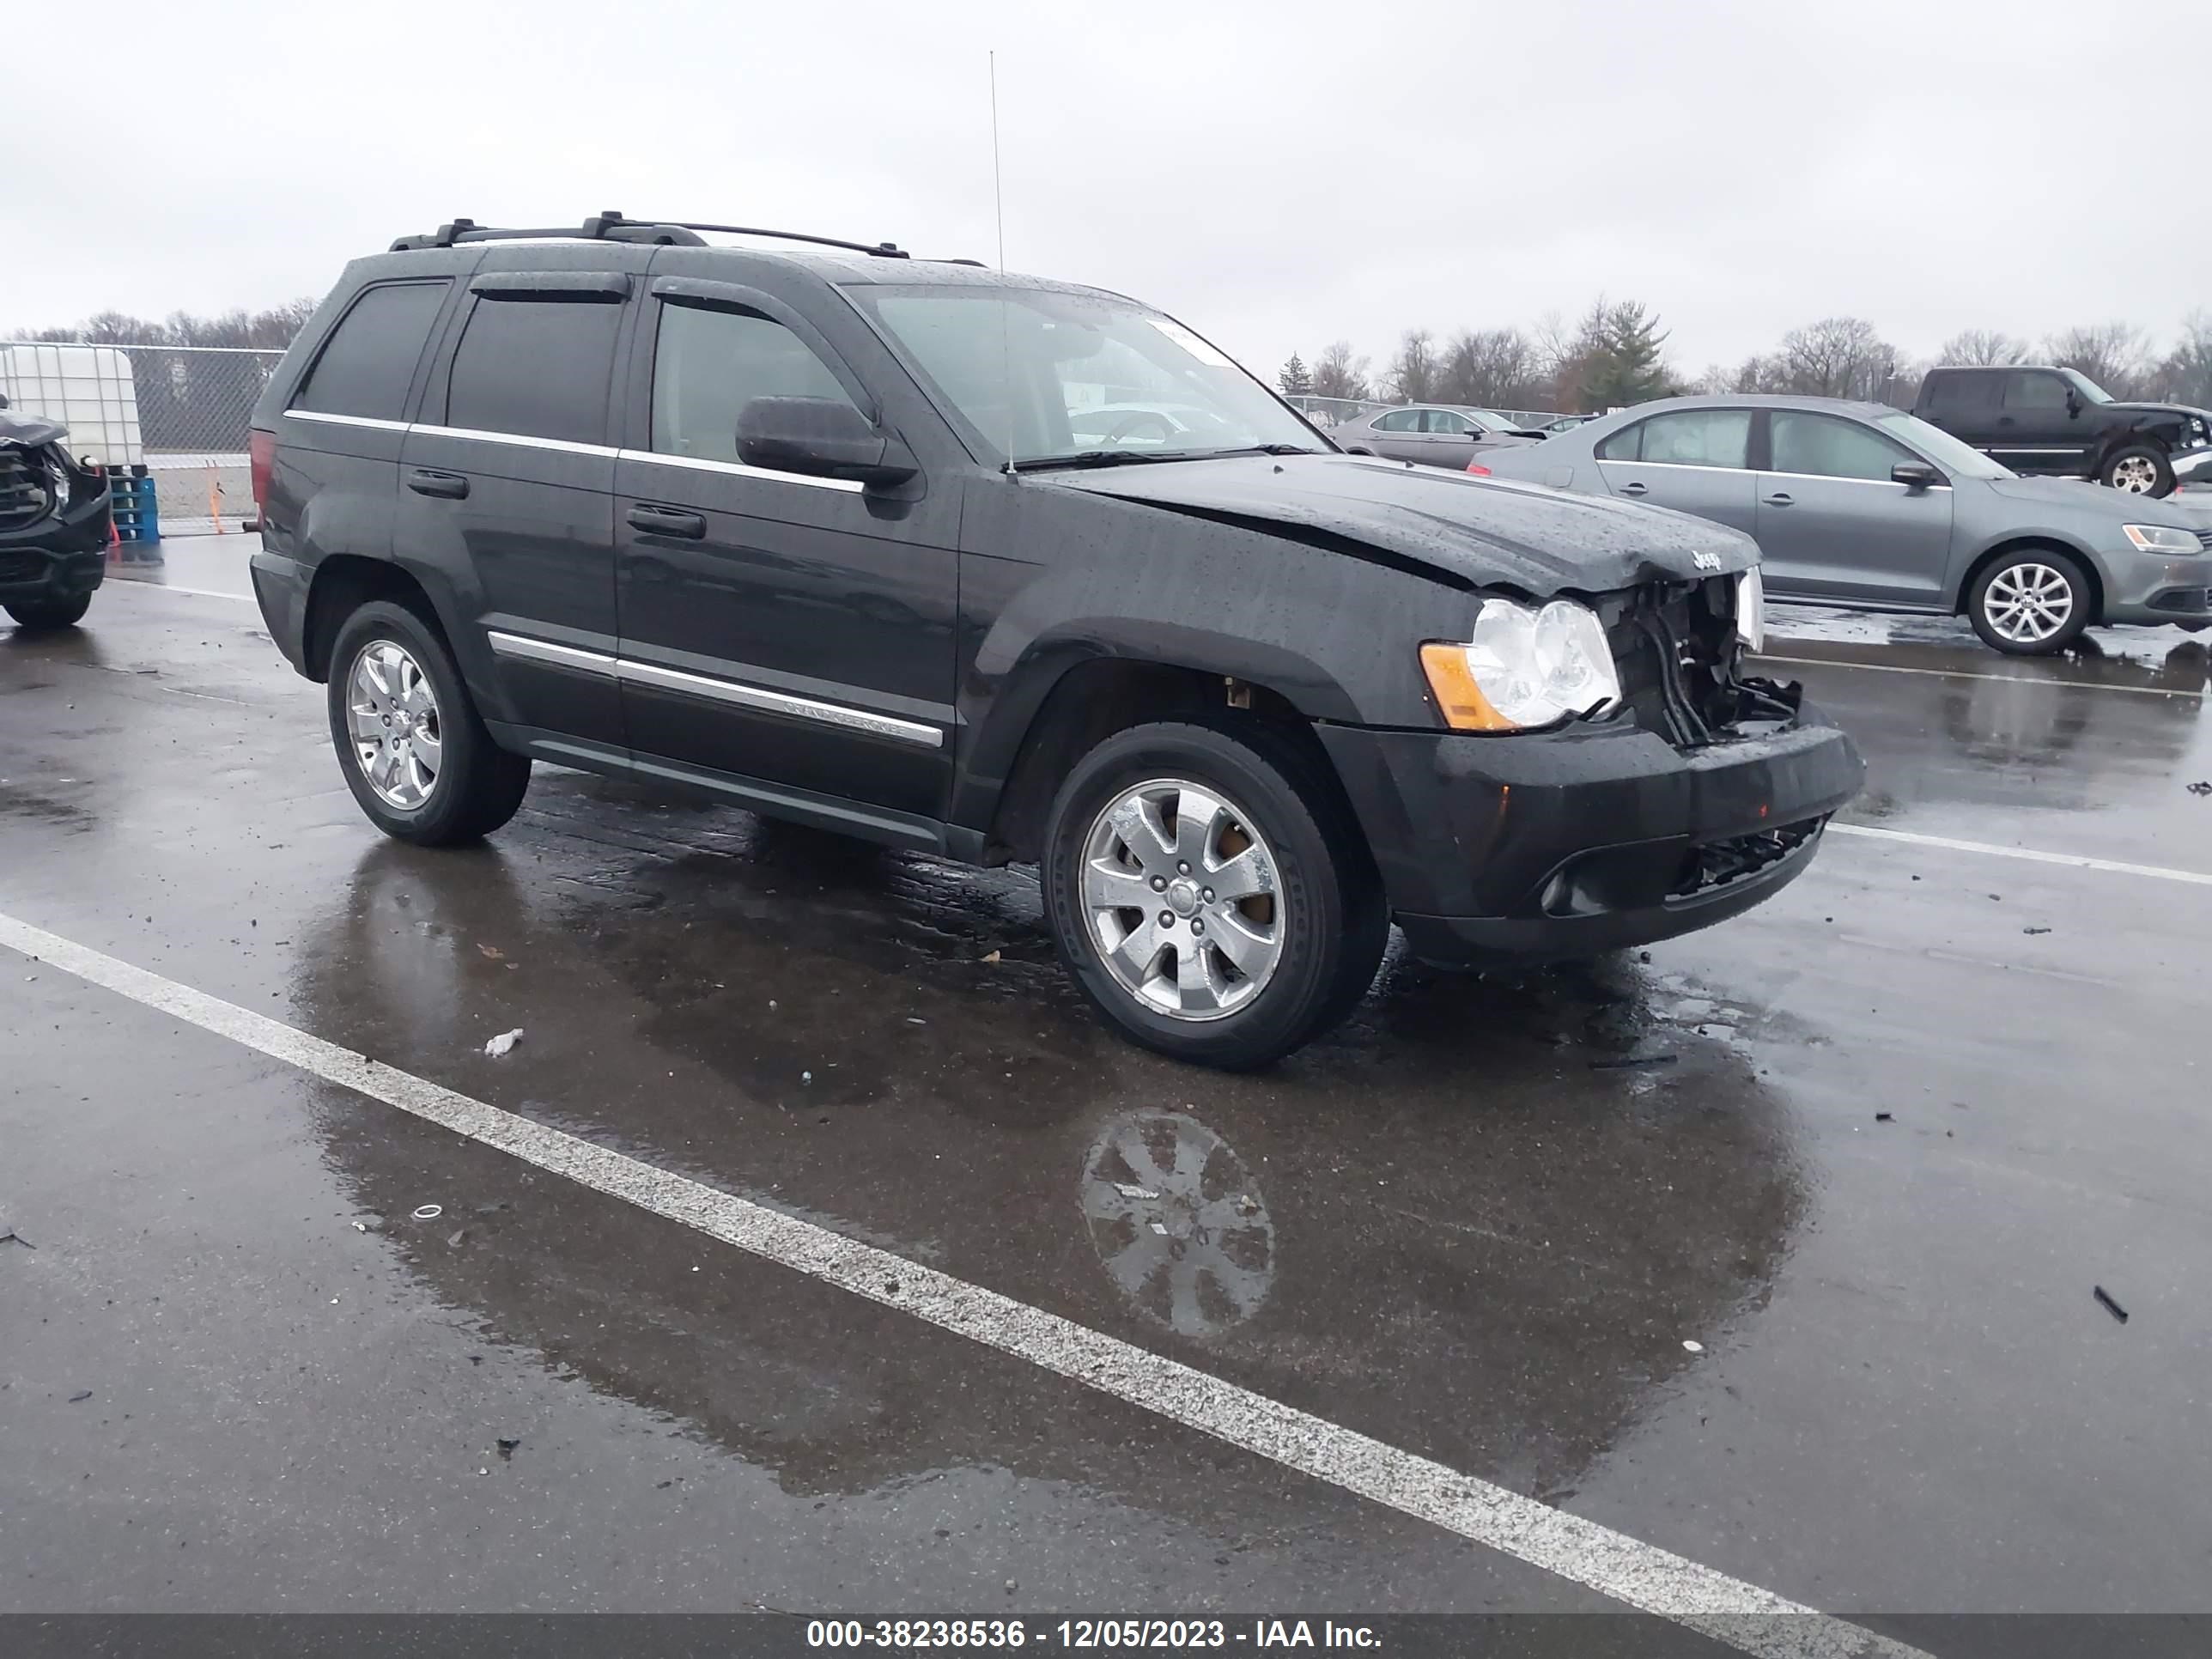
(2162, 538)
(1523, 668)
(1751, 610)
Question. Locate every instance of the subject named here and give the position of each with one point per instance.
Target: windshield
(2087, 387)
(1959, 459)
(1068, 375)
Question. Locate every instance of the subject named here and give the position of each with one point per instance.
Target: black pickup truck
(2036, 419)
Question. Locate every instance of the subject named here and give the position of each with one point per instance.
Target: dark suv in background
(842, 536)
(2034, 419)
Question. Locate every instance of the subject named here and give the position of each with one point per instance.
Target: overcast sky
(1278, 175)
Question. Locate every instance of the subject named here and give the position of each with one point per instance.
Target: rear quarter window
(369, 363)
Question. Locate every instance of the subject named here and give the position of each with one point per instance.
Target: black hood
(29, 431)
(1468, 531)
(2183, 410)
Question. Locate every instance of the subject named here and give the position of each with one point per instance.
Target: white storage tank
(88, 388)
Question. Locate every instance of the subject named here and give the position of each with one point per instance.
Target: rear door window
(1404, 420)
(1963, 389)
(368, 363)
(536, 369)
(1688, 437)
(708, 364)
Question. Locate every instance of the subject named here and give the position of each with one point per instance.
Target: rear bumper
(1541, 848)
(280, 588)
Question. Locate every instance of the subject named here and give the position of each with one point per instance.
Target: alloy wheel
(2137, 475)
(392, 714)
(1179, 893)
(2028, 603)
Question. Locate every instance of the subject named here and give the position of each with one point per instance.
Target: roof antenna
(1005, 306)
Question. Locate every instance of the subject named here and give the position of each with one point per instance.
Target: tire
(1309, 926)
(2138, 468)
(47, 614)
(2016, 604)
(470, 787)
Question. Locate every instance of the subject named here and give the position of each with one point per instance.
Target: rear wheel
(1209, 892)
(2139, 470)
(40, 615)
(413, 748)
(2031, 604)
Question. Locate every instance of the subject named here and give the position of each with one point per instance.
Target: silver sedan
(1432, 435)
(1863, 506)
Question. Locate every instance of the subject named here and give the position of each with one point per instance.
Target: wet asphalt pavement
(1875, 1144)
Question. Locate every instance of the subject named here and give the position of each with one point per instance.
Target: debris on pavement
(83, 1395)
(11, 1236)
(2111, 1306)
(2202, 787)
(429, 1211)
(455, 1240)
(507, 1449)
(2035, 930)
(1132, 1190)
(491, 953)
(994, 957)
(504, 1043)
(1885, 1117)
(1692, 1346)
(1628, 1062)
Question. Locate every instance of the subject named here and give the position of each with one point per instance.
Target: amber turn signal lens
(1452, 683)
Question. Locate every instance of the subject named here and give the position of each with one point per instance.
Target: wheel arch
(1070, 699)
(2042, 542)
(342, 584)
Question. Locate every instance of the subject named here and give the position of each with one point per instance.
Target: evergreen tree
(1294, 379)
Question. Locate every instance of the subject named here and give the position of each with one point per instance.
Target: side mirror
(1915, 475)
(2072, 405)
(821, 438)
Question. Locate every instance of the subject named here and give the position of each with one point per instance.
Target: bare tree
(1412, 376)
(1835, 357)
(1495, 367)
(1982, 348)
(2186, 376)
(2110, 354)
(1338, 374)
(269, 330)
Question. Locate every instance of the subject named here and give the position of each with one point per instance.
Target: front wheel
(1209, 891)
(2139, 470)
(46, 614)
(413, 748)
(2031, 604)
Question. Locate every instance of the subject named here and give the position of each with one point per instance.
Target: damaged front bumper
(1546, 846)
(53, 523)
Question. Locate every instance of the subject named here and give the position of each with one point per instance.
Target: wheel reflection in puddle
(1177, 1222)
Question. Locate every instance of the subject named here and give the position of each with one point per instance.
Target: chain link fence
(181, 412)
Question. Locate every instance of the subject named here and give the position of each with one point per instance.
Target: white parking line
(1967, 674)
(2073, 860)
(1628, 1570)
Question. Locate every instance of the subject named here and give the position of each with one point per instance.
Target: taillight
(261, 452)
(1478, 469)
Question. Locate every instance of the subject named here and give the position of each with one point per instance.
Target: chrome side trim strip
(739, 469)
(780, 702)
(370, 421)
(515, 438)
(545, 650)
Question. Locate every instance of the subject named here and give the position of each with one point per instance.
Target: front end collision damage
(54, 512)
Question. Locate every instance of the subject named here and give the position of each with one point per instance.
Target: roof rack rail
(614, 227)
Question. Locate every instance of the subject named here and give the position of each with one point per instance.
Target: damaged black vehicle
(53, 524)
(1001, 570)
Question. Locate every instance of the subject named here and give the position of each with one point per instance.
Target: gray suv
(1862, 505)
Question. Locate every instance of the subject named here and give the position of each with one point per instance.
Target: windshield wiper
(1130, 457)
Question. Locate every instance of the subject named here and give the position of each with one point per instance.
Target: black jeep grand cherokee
(1005, 569)
(53, 524)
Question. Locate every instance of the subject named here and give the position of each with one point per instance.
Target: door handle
(1779, 498)
(451, 485)
(667, 521)
(1633, 489)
